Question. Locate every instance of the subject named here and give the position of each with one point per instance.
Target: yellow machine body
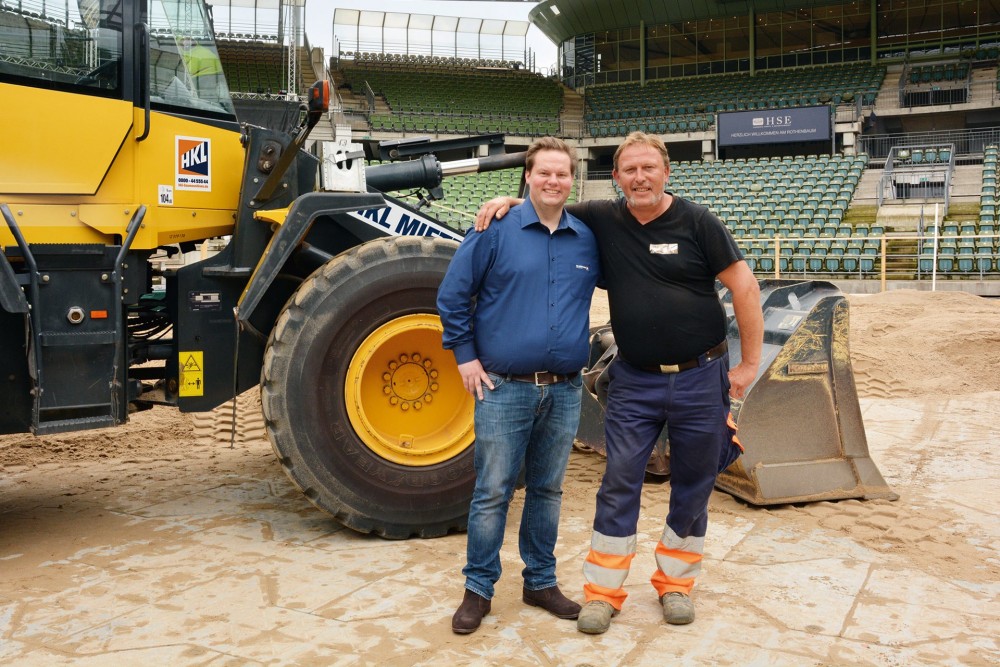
(78, 178)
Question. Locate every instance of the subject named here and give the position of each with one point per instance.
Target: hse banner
(770, 126)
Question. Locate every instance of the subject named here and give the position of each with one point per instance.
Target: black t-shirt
(660, 278)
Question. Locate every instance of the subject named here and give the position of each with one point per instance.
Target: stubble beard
(657, 198)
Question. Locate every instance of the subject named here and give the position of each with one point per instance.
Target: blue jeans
(520, 423)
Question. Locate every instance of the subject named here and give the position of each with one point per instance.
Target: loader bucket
(800, 422)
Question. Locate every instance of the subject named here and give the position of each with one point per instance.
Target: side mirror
(319, 101)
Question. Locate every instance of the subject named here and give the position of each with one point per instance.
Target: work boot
(677, 608)
(553, 601)
(595, 617)
(470, 613)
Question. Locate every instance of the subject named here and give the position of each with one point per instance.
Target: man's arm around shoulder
(498, 207)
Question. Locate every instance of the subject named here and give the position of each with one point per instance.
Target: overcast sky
(319, 18)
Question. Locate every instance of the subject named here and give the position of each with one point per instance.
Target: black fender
(301, 216)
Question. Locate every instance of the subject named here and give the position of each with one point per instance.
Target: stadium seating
(253, 66)
(800, 201)
(423, 97)
(969, 246)
(987, 250)
(689, 104)
(382, 60)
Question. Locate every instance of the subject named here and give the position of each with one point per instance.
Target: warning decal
(192, 374)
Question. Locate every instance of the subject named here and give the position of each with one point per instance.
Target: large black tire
(363, 407)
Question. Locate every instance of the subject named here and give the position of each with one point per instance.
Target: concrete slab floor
(206, 555)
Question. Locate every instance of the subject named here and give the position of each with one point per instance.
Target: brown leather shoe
(470, 613)
(553, 601)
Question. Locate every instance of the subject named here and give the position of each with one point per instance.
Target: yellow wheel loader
(117, 151)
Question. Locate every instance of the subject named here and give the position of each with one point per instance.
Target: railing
(966, 142)
(980, 92)
(918, 171)
(897, 258)
(518, 124)
(370, 96)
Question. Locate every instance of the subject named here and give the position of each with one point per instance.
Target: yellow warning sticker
(192, 374)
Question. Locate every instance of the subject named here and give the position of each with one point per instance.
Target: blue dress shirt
(518, 297)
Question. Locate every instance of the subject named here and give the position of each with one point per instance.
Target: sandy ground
(159, 543)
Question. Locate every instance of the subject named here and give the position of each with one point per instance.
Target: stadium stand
(253, 66)
(455, 98)
(987, 249)
(791, 210)
(796, 205)
(687, 104)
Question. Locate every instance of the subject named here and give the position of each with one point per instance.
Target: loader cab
(116, 104)
(118, 49)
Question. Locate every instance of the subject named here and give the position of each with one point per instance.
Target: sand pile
(909, 343)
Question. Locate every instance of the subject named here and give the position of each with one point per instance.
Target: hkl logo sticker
(192, 169)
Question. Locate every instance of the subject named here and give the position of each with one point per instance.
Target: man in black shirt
(661, 256)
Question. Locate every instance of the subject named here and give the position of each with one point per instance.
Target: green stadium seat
(925, 261)
(984, 261)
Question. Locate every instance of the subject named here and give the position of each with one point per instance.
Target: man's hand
(740, 378)
(473, 378)
(494, 208)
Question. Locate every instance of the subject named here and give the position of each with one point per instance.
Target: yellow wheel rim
(404, 395)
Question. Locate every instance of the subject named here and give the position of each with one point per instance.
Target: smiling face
(642, 174)
(550, 180)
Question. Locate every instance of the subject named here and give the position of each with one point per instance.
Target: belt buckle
(670, 368)
(541, 382)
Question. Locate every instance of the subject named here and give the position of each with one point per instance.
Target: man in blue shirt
(515, 308)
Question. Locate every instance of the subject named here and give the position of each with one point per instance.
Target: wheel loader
(323, 294)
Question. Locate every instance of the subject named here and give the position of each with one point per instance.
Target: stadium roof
(377, 19)
(562, 19)
(259, 4)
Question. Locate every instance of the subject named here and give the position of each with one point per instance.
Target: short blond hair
(643, 139)
(549, 144)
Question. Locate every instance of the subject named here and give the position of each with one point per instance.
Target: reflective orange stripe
(664, 584)
(610, 561)
(613, 596)
(731, 423)
(686, 556)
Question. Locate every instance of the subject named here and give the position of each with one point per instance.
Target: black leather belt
(711, 355)
(543, 377)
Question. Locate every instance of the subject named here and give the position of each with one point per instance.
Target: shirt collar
(530, 217)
